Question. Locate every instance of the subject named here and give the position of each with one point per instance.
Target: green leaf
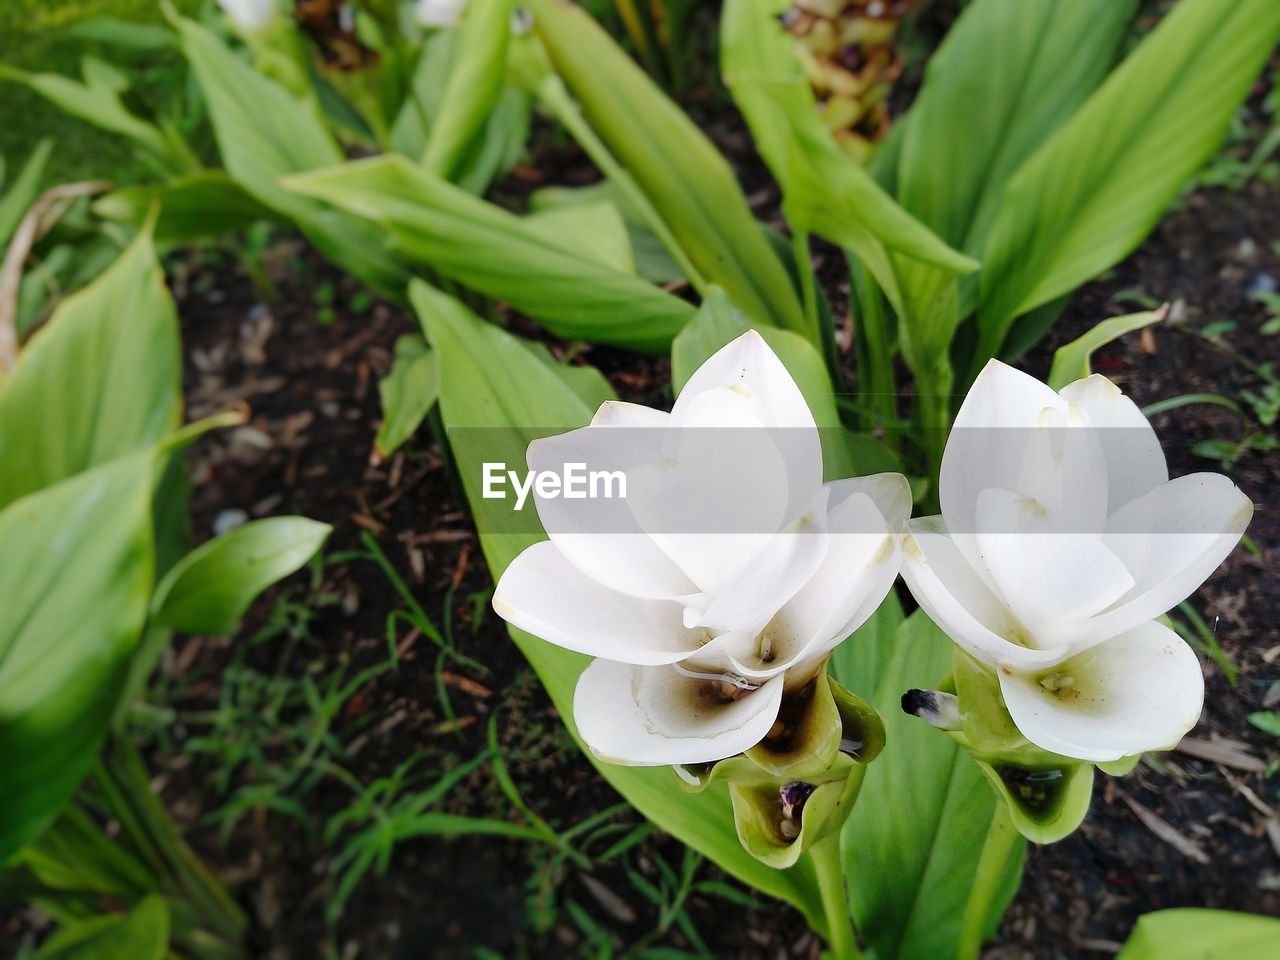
(826, 192)
(1030, 64)
(652, 261)
(489, 380)
(1091, 193)
(265, 133)
(199, 206)
(1071, 361)
(686, 179)
(96, 100)
(475, 83)
(497, 253)
(75, 581)
(209, 590)
(915, 837)
(408, 393)
(140, 934)
(23, 191)
(101, 379)
(595, 230)
(1196, 934)
(1268, 721)
(719, 321)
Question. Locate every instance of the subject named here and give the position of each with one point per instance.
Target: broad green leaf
(1193, 934)
(198, 206)
(209, 589)
(652, 261)
(498, 254)
(826, 192)
(1071, 361)
(265, 133)
(915, 837)
(683, 175)
(475, 82)
(96, 100)
(101, 379)
(719, 321)
(1094, 190)
(488, 380)
(1030, 64)
(587, 382)
(130, 34)
(408, 393)
(596, 230)
(140, 934)
(76, 577)
(20, 194)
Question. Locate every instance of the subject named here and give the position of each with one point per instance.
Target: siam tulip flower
(1061, 541)
(722, 581)
(250, 15)
(438, 13)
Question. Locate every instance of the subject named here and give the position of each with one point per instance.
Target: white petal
(1140, 691)
(890, 492)
(1135, 461)
(544, 594)
(1044, 575)
(750, 369)
(598, 535)
(720, 492)
(987, 444)
(770, 578)
(861, 564)
(960, 603)
(1170, 540)
(650, 716)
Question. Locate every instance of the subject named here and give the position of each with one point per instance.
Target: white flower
(439, 13)
(1061, 539)
(250, 15)
(724, 578)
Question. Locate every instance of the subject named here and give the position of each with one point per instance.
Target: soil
(306, 366)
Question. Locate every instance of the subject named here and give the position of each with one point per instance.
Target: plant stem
(555, 96)
(835, 904)
(123, 779)
(1001, 839)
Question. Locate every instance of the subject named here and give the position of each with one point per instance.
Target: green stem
(123, 779)
(1002, 836)
(555, 96)
(835, 903)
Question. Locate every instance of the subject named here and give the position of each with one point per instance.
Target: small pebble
(229, 520)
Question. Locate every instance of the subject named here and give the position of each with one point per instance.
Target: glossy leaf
(1030, 64)
(474, 85)
(101, 379)
(1203, 935)
(1071, 361)
(408, 393)
(140, 934)
(209, 590)
(826, 192)
(18, 196)
(489, 380)
(497, 253)
(913, 842)
(680, 171)
(1095, 189)
(76, 579)
(596, 230)
(194, 207)
(265, 133)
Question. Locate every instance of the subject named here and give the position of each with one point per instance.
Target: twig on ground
(39, 220)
